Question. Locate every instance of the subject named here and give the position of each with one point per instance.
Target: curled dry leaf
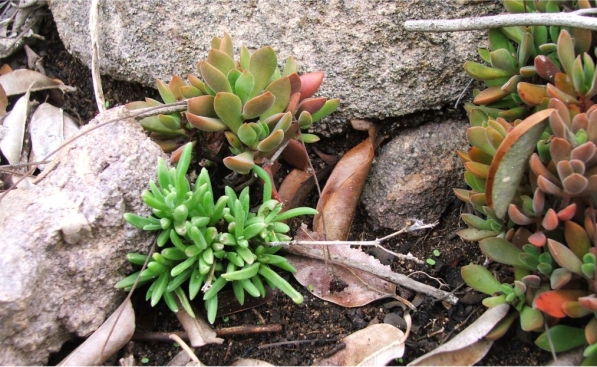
(113, 337)
(468, 347)
(49, 127)
(342, 191)
(19, 81)
(297, 186)
(199, 331)
(11, 144)
(376, 345)
(361, 287)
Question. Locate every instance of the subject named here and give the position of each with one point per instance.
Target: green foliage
(206, 243)
(258, 106)
(532, 170)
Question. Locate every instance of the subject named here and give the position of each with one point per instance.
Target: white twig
(186, 348)
(575, 19)
(95, 72)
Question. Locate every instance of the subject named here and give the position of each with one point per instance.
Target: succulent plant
(206, 243)
(257, 106)
(534, 181)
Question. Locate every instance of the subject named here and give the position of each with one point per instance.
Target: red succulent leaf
(577, 165)
(538, 202)
(518, 217)
(580, 121)
(562, 110)
(592, 128)
(293, 102)
(559, 278)
(567, 213)
(564, 169)
(538, 239)
(574, 309)
(575, 184)
(565, 257)
(310, 105)
(295, 83)
(550, 221)
(490, 95)
(589, 302)
(539, 169)
(549, 187)
(589, 225)
(583, 152)
(310, 83)
(546, 68)
(551, 302)
(559, 149)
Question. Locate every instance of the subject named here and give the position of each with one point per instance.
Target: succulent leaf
(482, 72)
(328, 108)
(262, 64)
(562, 337)
(502, 251)
(215, 79)
(480, 279)
(516, 148)
(206, 123)
(258, 105)
(503, 60)
(280, 89)
(165, 92)
(228, 107)
(271, 142)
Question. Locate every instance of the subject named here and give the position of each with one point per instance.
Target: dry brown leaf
(342, 191)
(468, 347)
(199, 331)
(49, 127)
(19, 81)
(90, 352)
(298, 185)
(5, 69)
(11, 144)
(315, 275)
(375, 345)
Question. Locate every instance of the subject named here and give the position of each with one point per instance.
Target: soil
(310, 330)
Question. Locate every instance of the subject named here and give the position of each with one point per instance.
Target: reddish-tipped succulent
(257, 106)
(532, 169)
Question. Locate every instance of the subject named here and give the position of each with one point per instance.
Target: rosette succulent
(534, 181)
(256, 105)
(206, 243)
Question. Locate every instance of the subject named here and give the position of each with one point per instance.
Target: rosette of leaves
(533, 184)
(204, 243)
(257, 106)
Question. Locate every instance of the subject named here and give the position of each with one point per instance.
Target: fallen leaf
(376, 345)
(19, 81)
(199, 331)
(469, 346)
(360, 289)
(3, 101)
(340, 196)
(298, 185)
(92, 352)
(49, 127)
(11, 144)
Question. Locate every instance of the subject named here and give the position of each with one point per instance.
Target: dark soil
(310, 330)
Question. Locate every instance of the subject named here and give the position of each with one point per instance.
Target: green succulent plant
(206, 243)
(257, 106)
(532, 170)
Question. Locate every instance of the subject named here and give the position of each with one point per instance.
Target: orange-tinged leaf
(206, 123)
(531, 94)
(310, 105)
(477, 155)
(565, 257)
(490, 95)
(550, 220)
(176, 83)
(510, 160)
(258, 105)
(591, 331)
(202, 106)
(478, 169)
(567, 213)
(477, 138)
(341, 193)
(551, 302)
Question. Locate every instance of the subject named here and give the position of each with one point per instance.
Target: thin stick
(139, 114)
(295, 342)
(375, 243)
(185, 347)
(160, 336)
(95, 70)
(575, 19)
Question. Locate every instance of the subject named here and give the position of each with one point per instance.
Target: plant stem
(267, 183)
(575, 19)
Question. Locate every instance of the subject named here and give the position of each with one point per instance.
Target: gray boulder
(413, 175)
(376, 68)
(64, 240)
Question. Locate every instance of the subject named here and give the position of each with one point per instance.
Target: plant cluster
(257, 106)
(206, 243)
(534, 181)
